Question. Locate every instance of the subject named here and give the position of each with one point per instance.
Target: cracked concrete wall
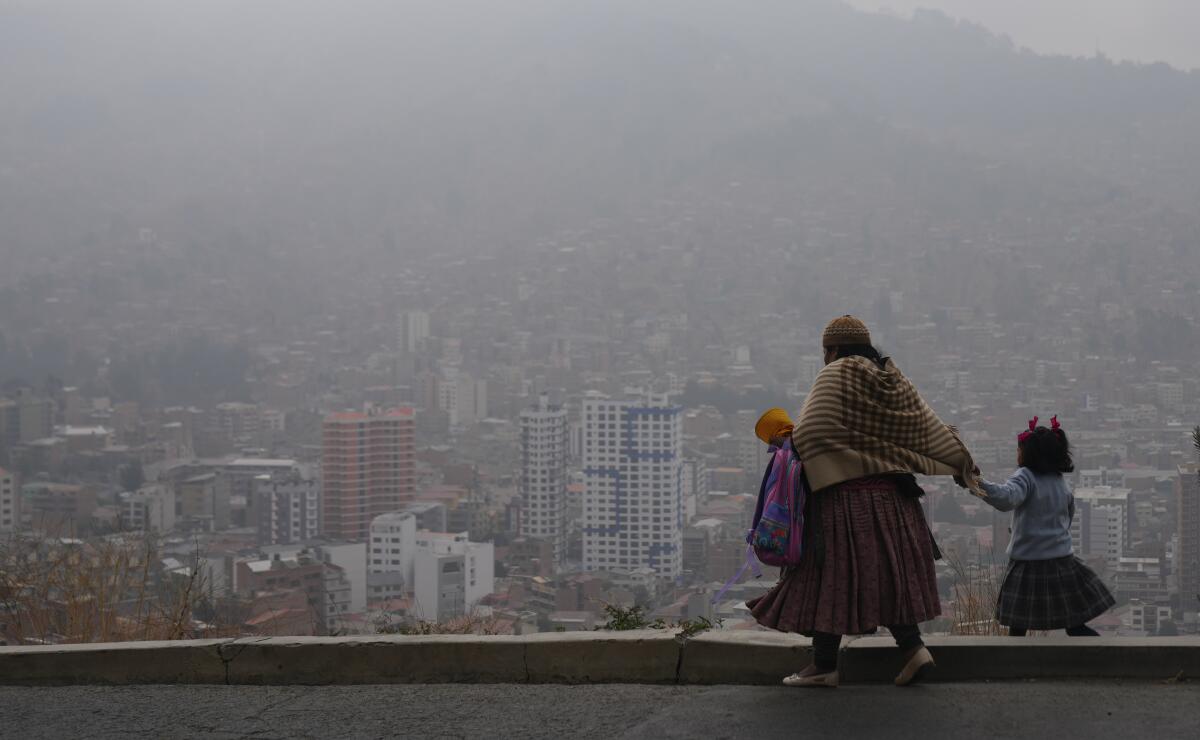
(650, 656)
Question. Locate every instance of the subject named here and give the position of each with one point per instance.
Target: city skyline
(459, 315)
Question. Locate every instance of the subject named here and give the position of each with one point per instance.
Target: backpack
(776, 536)
(778, 530)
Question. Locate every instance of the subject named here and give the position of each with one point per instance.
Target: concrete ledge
(184, 661)
(876, 660)
(652, 656)
(743, 657)
(375, 659)
(637, 656)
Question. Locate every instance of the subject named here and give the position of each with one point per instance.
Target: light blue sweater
(1043, 509)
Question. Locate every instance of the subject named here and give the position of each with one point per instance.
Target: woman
(868, 559)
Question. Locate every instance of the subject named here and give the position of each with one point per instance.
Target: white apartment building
(633, 484)
(1101, 524)
(543, 483)
(392, 550)
(9, 514)
(413, 331)
(463, 398)
(695, 486)
(450, 575)
(445, 573)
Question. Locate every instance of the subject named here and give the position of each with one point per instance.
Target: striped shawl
(860, 420)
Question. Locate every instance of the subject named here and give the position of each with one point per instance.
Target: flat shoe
(919, 662)
(809, 678)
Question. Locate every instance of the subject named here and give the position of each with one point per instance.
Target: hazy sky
(1142, 30)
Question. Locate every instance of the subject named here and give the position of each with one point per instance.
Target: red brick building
(368, 468)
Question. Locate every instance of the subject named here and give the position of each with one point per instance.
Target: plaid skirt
(871, 566)
(1051, 594)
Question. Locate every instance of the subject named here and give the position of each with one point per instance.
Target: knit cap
(773, 423)
(845, 330)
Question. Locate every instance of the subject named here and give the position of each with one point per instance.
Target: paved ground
(1010, 710)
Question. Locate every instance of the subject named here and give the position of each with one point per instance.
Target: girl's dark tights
(1081, 630)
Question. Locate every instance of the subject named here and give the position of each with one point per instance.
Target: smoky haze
(466, 124)
(221, 223)
(1147, 31)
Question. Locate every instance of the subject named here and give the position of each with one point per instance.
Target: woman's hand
(962, 483)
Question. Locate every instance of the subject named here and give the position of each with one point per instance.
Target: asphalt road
(1005, 710)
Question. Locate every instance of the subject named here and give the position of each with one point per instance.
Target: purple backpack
(778, 530)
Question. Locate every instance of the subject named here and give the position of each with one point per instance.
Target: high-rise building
(413, 331)
(1187, 490)
(1101, 526)
(287, 504)
(543, 483)
(367, 469)
(9, 515)
(24, 419)
(10, 424)
(633, 497)
(37, 417)
(695, 486)
(461, 397)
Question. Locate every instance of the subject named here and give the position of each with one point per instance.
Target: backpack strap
(762, 490)
(750, 564)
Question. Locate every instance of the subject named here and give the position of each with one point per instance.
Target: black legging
(1078, 631)
(826, 644)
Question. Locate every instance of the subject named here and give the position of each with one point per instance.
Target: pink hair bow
(1032, 427)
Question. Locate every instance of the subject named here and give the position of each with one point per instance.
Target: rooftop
(401, 412)
(260, 462)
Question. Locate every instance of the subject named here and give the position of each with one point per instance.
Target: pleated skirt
(871, 564)
(1051, 594)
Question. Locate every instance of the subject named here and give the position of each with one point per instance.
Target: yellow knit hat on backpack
(773, 423)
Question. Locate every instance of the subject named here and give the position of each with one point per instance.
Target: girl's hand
(962, 483)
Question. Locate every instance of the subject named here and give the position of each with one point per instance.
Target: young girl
(1046, 586)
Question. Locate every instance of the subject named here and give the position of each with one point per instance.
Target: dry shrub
(976, 587)
(61, 590)
(468, 624)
